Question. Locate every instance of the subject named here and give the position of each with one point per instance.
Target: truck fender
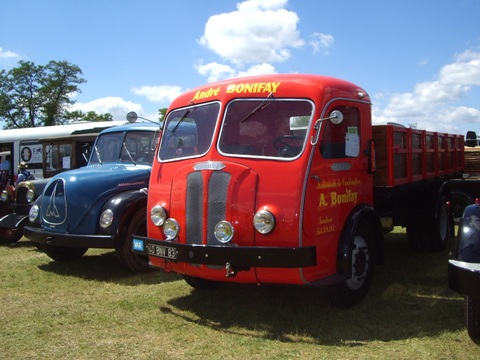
(123, 205)
(360, 213)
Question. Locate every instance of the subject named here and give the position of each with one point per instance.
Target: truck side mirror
(336, 117)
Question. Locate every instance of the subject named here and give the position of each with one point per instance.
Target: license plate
(162, 251)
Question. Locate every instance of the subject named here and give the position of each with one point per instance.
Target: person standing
(23, 174)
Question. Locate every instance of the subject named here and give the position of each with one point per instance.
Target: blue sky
(418, 60)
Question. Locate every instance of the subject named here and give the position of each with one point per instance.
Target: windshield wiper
(128, 153)
(98, 155)
(260, 106)
(181, 119)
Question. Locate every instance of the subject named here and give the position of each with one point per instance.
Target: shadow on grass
(409, 298)
(105, 267)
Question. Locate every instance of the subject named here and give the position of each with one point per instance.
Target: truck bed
(404, 155)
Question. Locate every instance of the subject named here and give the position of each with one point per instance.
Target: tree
(35, 95)
(78, 115)
(161, 114)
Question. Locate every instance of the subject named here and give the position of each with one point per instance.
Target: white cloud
(162, 94)
(215, 71)
(431, 104)
(257, 32)
(113, 105)
(319, 41)
(8, 58)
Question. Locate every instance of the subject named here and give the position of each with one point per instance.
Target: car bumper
(235, 256)
(41, 236)
(464, 278)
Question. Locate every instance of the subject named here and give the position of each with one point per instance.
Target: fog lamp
(106, 218)
(158, 215)
(263, 221)
(171, 229)
(223, 231)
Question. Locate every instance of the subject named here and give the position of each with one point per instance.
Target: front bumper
(464, 278)
(41, 236)
(235, 256)
(12, 221)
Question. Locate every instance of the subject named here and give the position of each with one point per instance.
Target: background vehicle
(464, 268)
(59, 154)
(282, 179)
(102, 204)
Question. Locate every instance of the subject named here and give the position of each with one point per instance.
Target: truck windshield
(189, 131)
(265, 128)
(129, 147)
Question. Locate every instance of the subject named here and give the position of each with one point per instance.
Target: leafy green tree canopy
(38, 95)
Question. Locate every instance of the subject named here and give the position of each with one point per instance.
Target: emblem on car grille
(55, 203)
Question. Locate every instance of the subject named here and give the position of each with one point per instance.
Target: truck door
(338, 180)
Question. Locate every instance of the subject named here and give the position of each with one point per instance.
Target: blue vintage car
(464, 268)
(102, 204)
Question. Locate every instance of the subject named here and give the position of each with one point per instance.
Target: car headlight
(263, 221)
(33, 214)
(224, 231)
(158, 215)
(106, 218)
(171, 228)
(5, 196)
(30, 195)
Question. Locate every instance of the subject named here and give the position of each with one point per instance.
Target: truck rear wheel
(472, 318)
(431, 228)
(353, 290)
(63, 253)
(137, 226)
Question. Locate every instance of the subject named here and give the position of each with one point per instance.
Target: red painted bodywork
(311, 196)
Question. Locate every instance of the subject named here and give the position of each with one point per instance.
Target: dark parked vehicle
(464, 268)
(102, 204)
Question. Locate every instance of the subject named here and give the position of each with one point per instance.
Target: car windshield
(188, 132)
(265, 128)
(126, 147)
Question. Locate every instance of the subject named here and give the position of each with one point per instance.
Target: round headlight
(264, 221)
(106, 218)
(171, 229)
(33, 214)
(30, 195)
(223, 231)
(5, 196)
(158, 215)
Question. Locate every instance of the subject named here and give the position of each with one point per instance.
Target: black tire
(199, 284)
(431, 228)
(460, 200)
(472, 318)
(63, 253)
(10, 236)
(353, 290)
(134, 262)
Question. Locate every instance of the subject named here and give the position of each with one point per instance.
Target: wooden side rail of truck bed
(405, 155)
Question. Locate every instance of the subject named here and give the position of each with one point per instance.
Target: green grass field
(92, 309)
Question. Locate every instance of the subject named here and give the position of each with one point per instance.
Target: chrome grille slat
(194, 208)
(217, 202)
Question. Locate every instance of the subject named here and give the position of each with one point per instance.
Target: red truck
(282, 179)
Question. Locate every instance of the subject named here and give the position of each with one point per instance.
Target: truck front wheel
(137, 226)
(63, 253)
(354, 289)
(472, 318)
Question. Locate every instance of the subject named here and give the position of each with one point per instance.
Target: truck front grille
(199, 214)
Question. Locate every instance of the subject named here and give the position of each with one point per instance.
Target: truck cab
(266, 180)
(102, 204)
